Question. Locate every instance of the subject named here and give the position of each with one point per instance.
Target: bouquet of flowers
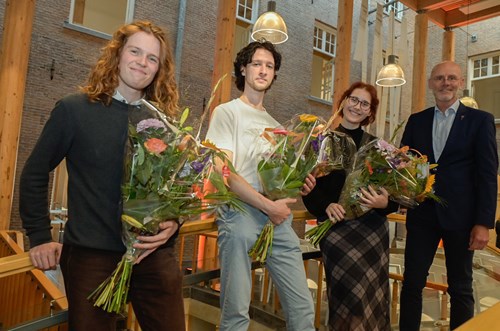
(293, 154)
(166, 177)
(336, 151)
(403, 174)
(300, 148)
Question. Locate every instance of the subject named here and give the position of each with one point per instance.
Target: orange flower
(369, 166)
(155, 145)
(430, 181)
(183, 145)
(404, 149)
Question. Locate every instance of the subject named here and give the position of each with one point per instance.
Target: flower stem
(317, 233)
(263, 247)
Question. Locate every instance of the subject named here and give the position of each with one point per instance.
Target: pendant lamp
(391, 74)
(270, 26)
(468, 100)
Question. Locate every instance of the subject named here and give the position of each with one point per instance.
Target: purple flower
(150, 123)
(315, 145)
(197, 166)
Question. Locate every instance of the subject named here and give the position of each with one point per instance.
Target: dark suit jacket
(466, 176)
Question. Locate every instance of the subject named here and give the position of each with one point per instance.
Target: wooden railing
(29, 294)
(26, 293)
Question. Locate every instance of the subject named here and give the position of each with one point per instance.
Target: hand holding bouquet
(166, 173)
(403, 174)
(292, 155)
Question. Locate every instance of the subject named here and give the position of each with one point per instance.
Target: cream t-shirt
(237, 127)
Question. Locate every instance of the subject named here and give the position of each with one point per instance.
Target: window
(246, 10)
(324, 47)
(324, 39)
(483, 82)
(100, 18)
(397, 7)
(246, 15)
(486, 66)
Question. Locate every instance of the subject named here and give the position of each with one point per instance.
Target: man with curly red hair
(89, 130)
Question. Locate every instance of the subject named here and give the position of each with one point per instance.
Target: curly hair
(245, 56)
(103, 78)
(373, 104)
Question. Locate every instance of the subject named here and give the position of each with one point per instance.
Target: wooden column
(343, 55)
(223, 65)
(223, 61)
(18, 24)
(448, 45)
(419, 81)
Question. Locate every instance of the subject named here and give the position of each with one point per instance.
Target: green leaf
(184, 116)
(140, 155)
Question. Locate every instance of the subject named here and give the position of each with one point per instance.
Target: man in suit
(461, 140)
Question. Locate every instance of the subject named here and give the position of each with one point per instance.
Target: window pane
(318, 38)
(495, 61)
(241, 11)
(327, 80)
(103, 16)
(476, 73)
(330, 43)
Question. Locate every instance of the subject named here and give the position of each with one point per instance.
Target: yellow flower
(209, 144)
(308, 118)
(430, 181)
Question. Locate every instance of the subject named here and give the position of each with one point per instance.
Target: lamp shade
(391, 74)
(469, 102)
(270, 26)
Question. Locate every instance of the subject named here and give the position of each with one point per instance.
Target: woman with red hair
(355, 252)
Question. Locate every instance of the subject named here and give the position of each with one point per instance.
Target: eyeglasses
(441, 78)
(353, 101)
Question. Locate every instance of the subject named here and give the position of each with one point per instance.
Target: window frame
(254, 9)
(328, 38)
(69, 22)
(397, 7)
(489, 65)
(326, 29)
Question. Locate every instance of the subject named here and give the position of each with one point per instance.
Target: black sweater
(91, 136)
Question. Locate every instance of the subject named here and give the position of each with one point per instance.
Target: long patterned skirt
(356, 258)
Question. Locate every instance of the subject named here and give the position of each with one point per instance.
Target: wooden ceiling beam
(433, 4)
(457, 18)
(438, 17)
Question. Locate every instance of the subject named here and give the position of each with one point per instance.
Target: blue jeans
(238, 231)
